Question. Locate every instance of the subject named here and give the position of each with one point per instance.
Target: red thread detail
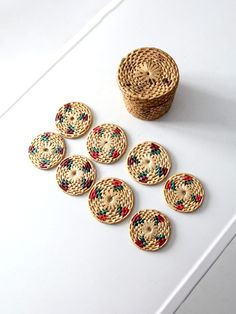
(102, 217)
(198, 198)
(139, 243)
(115, 154)
(160, 218)
(94, 154)
(116, 182)
(188, 178)
(168, 185)
(160, 242)
(92, 195)
(124, 211)
(97, 130)
(179, 206)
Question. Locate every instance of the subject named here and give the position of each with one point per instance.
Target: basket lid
(147, 73)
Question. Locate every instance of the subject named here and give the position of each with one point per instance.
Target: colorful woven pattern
(111, 200)
(148, 163)
(47, 150)
(73, 119)
(149, 229)
(75, 175)
(106, 143)
(183, 192)
(148, 79)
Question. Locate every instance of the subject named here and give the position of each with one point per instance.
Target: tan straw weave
(75, 175)
(150, 229)
(148, 163)
(111, 200)
(183, 192)
(73, 119)
(148, 78)
(106, 143)
(47, 150)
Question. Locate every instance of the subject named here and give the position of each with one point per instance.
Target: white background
(31, 32)
(45, 264)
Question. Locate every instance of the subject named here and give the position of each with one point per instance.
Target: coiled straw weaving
(148, 79)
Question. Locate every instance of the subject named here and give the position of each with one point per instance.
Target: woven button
(148, 163)
(75, 175)
(106, 143)
(111, 200)
(73, 119)
(47, 150)
(183, 192)
(149, 229)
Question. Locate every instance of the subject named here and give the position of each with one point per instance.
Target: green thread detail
(33, 150)
(98, 193)
(64, 181)
(159, 171)
(45, 138)
(133, 160)
(83, 183)
(58, 149)
(115, 135)
(119, 209)
(156, 220)
(160, 236)
(118, 188)
(138, 222)
(155, 150)
(86, 168)
(101, 132)
(96, 149)
(68, 108)
(61, 118)
(173, 186)
(142, 239)
(71, 127)
(81, 116)
(103, 211)
(194, 199)
(188, 182)
(45, 161)
(111, 151)
(142, 174)
(69, 164)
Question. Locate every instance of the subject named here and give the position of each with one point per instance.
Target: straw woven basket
(148, 79)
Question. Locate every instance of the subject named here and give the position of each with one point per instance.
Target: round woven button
(111, 200)
(75, 175)
(106, 143)
(148, 163)
(149, 229)
(183, 192)
(47, 150)
(73, 119)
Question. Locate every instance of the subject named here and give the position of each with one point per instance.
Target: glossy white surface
(55, 256)
(31, 32)
(215, 292)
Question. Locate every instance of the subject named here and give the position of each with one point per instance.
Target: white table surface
(31, 32)
(55, 258)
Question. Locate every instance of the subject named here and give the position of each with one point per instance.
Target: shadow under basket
(148, 79)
